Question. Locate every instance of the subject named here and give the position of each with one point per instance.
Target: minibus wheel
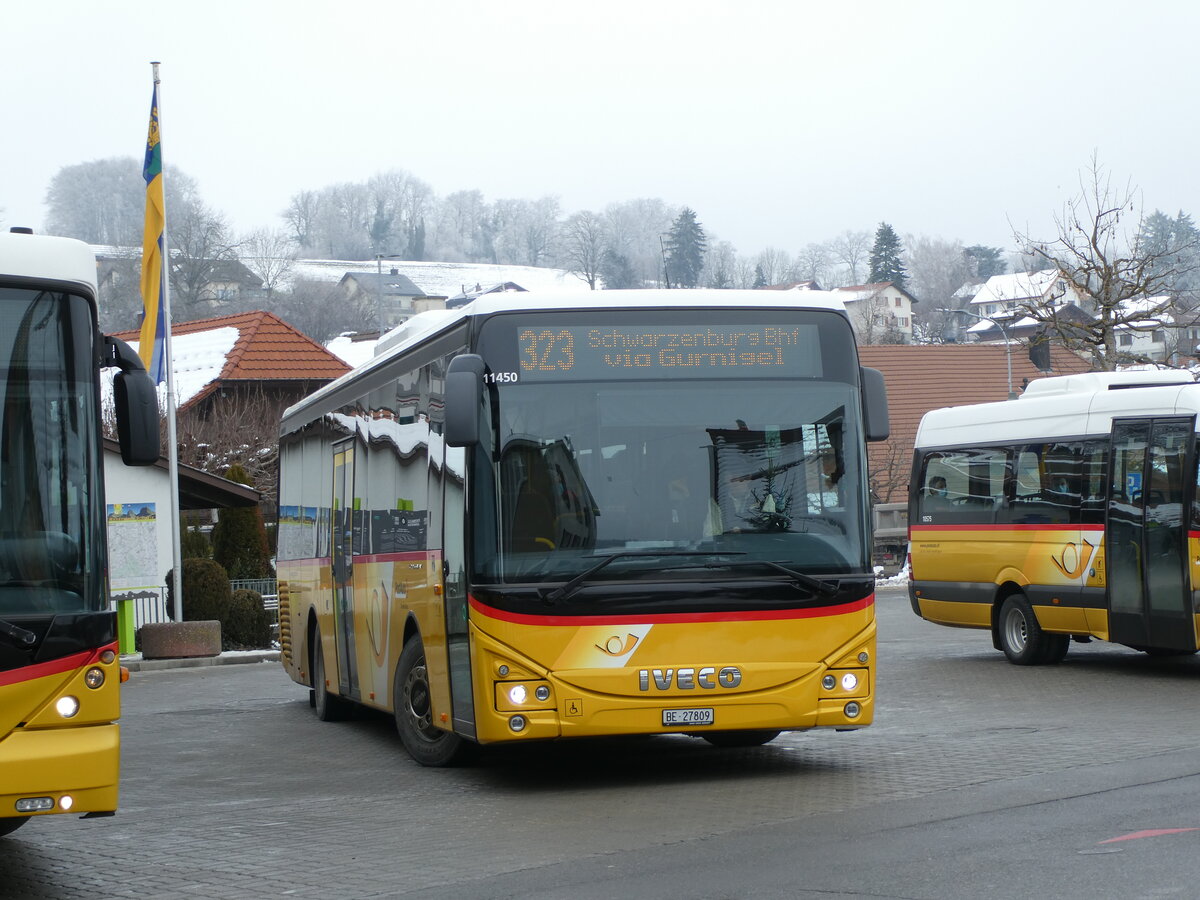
(1022, 638)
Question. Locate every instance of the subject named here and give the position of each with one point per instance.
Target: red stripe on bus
(54, 666)
(672, 618)
(394, 557)
(1043, 527)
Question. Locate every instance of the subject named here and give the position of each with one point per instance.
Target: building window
(899, 302)
(1126, 340)
(1157, 336)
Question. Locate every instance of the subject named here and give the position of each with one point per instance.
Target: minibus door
(341, 550)
(1149, 601)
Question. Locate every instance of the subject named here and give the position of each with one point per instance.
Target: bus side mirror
(135, 402)
(464, 396)
(875, 408)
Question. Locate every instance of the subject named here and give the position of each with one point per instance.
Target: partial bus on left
(59, 667)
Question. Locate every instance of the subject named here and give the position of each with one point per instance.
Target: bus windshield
(676, 476)
(50, 521)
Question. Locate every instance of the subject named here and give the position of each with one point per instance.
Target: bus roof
(429, 324)
(48, 258)
(1062, 407)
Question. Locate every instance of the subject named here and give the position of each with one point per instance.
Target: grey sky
(780, 122)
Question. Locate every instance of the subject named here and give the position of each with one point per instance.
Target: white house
(879, 310)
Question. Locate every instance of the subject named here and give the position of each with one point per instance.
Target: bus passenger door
(341, 550)
(1149, 602)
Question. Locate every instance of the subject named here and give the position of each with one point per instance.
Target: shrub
(239, 538)
(248, 626)
(193, 543)
(206, 592)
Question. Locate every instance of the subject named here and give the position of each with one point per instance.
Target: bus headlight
(849, 681)
(35, 804)
(94, 677)
(67, 706)
(517, 694)
(852, 710)
(828, 682)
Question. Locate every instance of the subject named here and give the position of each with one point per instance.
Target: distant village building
(469, 294)
(393, 296)
(881, 313)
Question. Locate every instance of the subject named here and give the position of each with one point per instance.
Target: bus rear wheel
(413, 709)
(329, 707)
(9, 824)
(1022, 638)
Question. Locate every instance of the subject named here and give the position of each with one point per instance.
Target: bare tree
(812, 263)
(270, 254)
(242, 428)
(583, 245)
(1100, 255)
(200, 243)
(937, 270)
(776, 265)
(321, 311)
(852, 249)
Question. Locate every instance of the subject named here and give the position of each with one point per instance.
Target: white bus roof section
(50, 258)
(1090, 382)
(429, 324)
(1057, 413)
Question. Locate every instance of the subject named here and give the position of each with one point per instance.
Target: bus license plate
(702, 716)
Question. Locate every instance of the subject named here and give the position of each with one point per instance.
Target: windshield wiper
(566, 590)
(803, 579)
(20, 637)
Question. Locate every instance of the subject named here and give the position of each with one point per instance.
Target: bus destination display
(546, 353)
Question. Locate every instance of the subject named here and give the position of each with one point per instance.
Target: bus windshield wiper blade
(19, 636)
(566, 590)
(803, 579)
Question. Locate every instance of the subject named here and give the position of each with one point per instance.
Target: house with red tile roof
(254, 351)
(234, 376)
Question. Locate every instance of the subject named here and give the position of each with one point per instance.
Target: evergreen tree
(239, 538)
(615, 271)
(886, 264)
(686, 246)
(760, 279)
(984, 262)
(1173, 245)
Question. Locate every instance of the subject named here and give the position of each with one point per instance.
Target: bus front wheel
(9, 824)
(411, 702)
(740, 738)
(1022, 638)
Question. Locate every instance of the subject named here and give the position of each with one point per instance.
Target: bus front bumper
(81, 764)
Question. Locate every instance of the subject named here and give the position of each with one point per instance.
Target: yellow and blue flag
(152, 344)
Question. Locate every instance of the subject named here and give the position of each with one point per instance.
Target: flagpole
(172, 440)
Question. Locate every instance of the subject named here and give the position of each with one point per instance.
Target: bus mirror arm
(875, 407)
(135, 402)
(464, 397)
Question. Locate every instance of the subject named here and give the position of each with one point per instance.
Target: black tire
(740, 738)
(1056, 648)
(329, 707)
(424, 741)
(1022, 638)
(9, 824)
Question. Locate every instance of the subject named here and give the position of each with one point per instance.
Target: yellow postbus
(638, 513)
(1070, 513)
(59, 671)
